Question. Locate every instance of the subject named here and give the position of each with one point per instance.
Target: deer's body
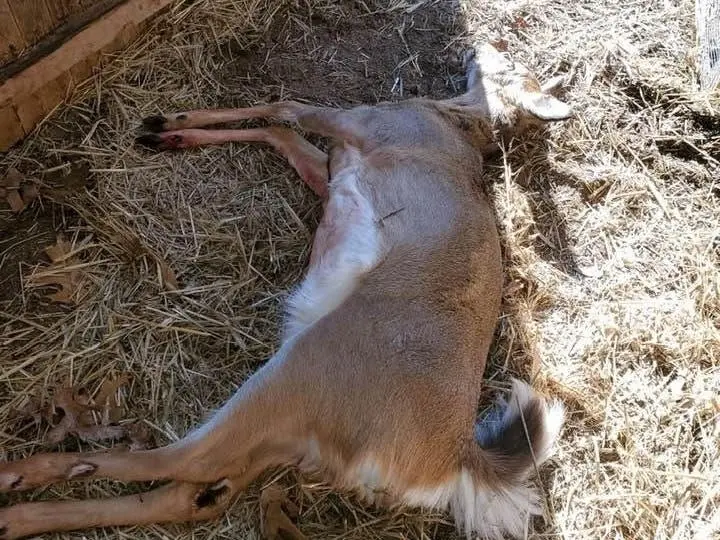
(376, 383)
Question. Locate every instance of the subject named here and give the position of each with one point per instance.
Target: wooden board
(74, 17)
(707, 14)
(34, 92)
(11, 39)
(61, 9)
(33, 19)
(11, 126)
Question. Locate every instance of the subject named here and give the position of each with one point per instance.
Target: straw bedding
(180, 262)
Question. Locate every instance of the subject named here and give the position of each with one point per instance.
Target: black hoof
(210, 495)
(17, 483)
(150, 140)
(155, 123)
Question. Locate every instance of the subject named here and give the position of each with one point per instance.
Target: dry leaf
(72, 413)
(140, 437)
(106, 401)
(30, 192)
(519, 23)
(100, 433)
(500, 44)
(68, 414)
(15, 201)
(167, 275)
(106, 394)
(17, 193)
(275, 508)
(59, 251)
(12, 179)
(60, 273)
(68, 283)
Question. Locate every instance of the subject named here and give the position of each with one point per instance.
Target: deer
(376, 382)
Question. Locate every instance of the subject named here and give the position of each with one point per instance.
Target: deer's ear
(545, 107)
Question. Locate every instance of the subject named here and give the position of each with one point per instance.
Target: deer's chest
(347, 245)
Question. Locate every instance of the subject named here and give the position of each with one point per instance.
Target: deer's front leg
(310, 162)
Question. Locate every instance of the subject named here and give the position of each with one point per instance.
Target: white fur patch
(349, 229)
(368, 474)
(554, 415)
(477, 510)
(368, 479)
(493, 514)
(437, 497)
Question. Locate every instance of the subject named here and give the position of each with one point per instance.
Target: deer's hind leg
(49, 468)
(280, 111)
(174, 502)
(252, 427)
(338, 124)
(310, 162)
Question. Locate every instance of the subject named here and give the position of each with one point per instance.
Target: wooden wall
(47, 47)
(24, 23)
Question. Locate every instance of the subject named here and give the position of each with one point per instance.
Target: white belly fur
(347, 246)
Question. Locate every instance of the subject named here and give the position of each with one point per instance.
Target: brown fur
(392, 375)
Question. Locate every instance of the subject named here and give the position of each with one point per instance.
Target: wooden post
(707, 14)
